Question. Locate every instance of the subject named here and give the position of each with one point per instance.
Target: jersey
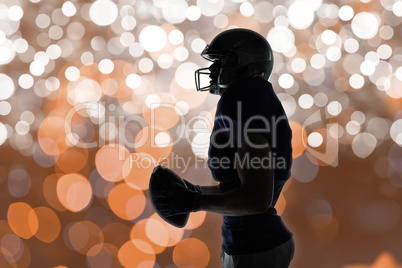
(250, 105)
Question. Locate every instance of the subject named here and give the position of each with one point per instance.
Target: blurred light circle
(53, 51)
(43, 21)
(303, 169)
(153, 101)
(106, 66)
(346, 13)
(74, 192)
(165, 61)
(372, 57)
(333, 53)
(193, 13)
(22, 219)
(68, 9)
(353, 127)
(182, 107)
(198, 45)
(175, 11)
(26, 81)
(298, 65)
(396, 131)
(72, 73)
(356, 81)
(351, 45)
(7, 87)
(386, 32)
(210, 8)
(146, 65)
(281, 39)
(191, 252)
(75, 30)
(221, 21)
(49, 224)
(364, 144)
(334, 108)
(7, 52)
(317, 61)
(55, 32)
(328, 37)
(315, 139)
(300, 14)
(98, 43)
(103, 12)
(306, 101)
(286, 80)
(128, 23)
(320, 99)
(5, 109)
(133, 80)
(288, 103)
(365, 25)
(246, 9)
(109, 161)
(162, 139)
(299, 140)
(142, 250)
(153, 38)
(367, 68)
(126, 202)
(22, 127)
(15, 13)
(126, 39)
(384, 51)
(176, 37)
(397, 8)
(20, 45)
(200, 144)
(185, 74)
(180, 53)
(19, 183)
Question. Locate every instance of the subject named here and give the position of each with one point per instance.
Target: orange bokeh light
(49, 224)
(138, 232)
(195, 220)
(74, 191)
(164, 116)
(84, 235)
(72, 159)
(137, 170)
(191, 252)
(299, 139)
(109, 161)
(162, 233)
(103, 255)
(52, 136)
(136, 253)
(50, 191)
(22, 219)
(126, 202)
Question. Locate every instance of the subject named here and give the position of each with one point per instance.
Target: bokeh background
(89, 89)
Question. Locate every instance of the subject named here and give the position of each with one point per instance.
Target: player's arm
(255, 193)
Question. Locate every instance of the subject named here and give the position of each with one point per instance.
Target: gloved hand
(192, 187)
(182, 201)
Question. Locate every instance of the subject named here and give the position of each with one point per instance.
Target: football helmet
(235, 53)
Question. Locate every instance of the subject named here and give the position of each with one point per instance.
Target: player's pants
(279, 257)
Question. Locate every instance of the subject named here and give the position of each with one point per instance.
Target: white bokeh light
(133, 80)
(281, 39)
(103, 12)
(162, 139)
(365, 25)
(106, 66)
(175, 11)
(7, 87)
(153, 38)
(356, 81)
(68, 9)
(185, 75)
(26, 81)
(286, 80)
(153, 101)
(210, 8)
(15, 13)
(315, 139)
(346, 13)
(72, 73)
(334, 108)
(306, 101)
(300, 14)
